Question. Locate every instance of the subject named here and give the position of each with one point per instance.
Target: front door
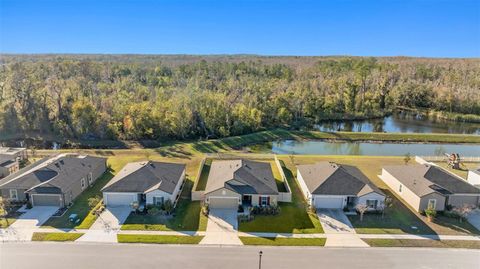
(247, 200)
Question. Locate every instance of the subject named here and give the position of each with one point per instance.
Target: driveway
(339, 229)
(474, 218)
(106, 227)
(222, 228)
(23, 228)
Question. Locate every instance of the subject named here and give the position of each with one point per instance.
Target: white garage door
(221, 202)
(46, 200)
(119, 199)
(328, 202)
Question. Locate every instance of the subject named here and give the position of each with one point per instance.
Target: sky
(421, 28)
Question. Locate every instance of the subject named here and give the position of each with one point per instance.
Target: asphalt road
(104, 256)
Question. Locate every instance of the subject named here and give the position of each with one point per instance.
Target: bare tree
(361, 208)
(462, 211)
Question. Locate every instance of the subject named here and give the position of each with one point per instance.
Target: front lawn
(60, 237)
(80, 207)
(158, 239)
(187, 218)
(293, 217)
(280, 241)
(423, 243)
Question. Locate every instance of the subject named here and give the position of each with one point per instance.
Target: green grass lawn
(61, 237)
(158, 239)
(265, 241)
(4, 223)
(463, 173)
(293, 217)
(202, 181)
(80, 207)
(423, 243)
(187, 218)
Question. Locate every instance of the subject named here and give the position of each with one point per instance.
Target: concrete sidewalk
(339, 230)
(107, 226)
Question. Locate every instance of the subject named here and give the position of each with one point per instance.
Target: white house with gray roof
(146, 182)
(425, 186)
(53, 181)
(333, 186)
(231, 183)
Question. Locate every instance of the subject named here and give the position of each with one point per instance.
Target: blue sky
(427, 28)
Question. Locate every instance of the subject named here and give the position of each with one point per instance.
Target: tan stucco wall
(411, 198)
(371, 196)
(273, 199)
(223, 193)
(440, 205)
(460, 200)
(304, 188)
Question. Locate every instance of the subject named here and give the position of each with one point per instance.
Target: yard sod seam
(158, 239)
(280, 241)
(59, 237)
(470, 244)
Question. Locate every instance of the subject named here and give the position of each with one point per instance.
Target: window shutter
(268, 200)
(259, 200)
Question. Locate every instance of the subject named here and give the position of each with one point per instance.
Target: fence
(283, 196)
(444, 158)
(198, 195)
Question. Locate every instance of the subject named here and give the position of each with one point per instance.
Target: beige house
(8, 166)
(334, 186)
(232, 183)
(425, 186)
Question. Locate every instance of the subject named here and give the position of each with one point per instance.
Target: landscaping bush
(245, 218)
(430, 213)
(266, 210)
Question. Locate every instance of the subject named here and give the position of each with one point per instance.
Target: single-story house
(335, 186)
(146, 182)
(425, 186)
(473, 177)
(231, 183)
(8, 166)
(53, 181)
(19, 154)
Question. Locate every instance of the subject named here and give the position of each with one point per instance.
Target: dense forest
(151, 97)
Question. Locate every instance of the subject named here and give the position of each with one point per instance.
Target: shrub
(153, 211)
(430, 213)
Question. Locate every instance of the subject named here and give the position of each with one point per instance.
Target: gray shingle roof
(325, 178)
(59, 171)
(242, 176)
(143, 177)
(423, 179)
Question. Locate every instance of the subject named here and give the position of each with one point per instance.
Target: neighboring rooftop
(251, 177)
(326, 178)
(57, 171)
(10, 151)
(146, 176)
(423, 179)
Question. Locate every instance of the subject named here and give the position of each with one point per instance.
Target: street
(85, 255)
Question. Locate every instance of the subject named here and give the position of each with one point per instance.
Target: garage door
(328, 202)
(119, 199)
(217, 202)
(46, 200)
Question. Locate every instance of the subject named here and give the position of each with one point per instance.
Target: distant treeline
(179, 97)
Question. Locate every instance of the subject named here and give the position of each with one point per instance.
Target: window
(264, 201)
(90, 179)
(432, 203)
(372, 203)
(400, 188)
(158, 200)
(82, 183)
(13, 194)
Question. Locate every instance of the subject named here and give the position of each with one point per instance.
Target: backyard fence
(470, 159)
(283, 196)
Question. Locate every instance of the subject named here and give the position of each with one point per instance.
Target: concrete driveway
(474, 218)
(222, 228)
(107, 225)
(339, 229)
(23, 228)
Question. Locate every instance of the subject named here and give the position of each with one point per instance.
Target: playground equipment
(454, 160)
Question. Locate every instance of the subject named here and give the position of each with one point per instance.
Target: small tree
(463, 211)
(407, 158)
(93, 201)
(5, 208)
(388, 203)
(361, 208)
(430, 213)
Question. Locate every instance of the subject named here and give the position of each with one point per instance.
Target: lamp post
(260, 259)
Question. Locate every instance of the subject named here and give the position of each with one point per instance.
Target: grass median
(158, 239)
(471, 244)
(280, 241)
(58, 237)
